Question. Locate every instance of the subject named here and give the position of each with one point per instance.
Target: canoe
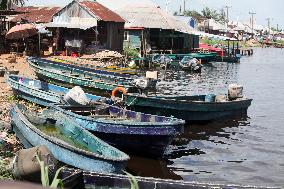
(109, 69)
(189, 108)
(68, 142)
(133, 132)
(84, 77)
(40, 92)
(82, 179)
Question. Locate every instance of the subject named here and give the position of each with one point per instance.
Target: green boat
(71, 75)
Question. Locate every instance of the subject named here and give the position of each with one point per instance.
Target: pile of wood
(105, 56)
(108, 54)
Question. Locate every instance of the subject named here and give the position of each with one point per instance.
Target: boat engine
(145, 84)
(235, 91)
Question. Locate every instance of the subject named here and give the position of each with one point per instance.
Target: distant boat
(67, 141)
(133, 132)
(40, 92)
(189, 108)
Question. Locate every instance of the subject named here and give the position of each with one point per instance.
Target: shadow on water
(151, 168)
(203, 132)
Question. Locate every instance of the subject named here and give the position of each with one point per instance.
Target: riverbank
(8, 143)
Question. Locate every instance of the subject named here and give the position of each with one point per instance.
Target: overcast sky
(273, 9)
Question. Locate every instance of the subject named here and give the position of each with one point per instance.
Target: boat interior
(65, 129)
(112, 113)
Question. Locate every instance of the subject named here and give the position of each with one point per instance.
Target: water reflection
(211, 131)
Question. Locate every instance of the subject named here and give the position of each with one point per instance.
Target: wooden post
(234, 53)
(228, 47)
(39, 46)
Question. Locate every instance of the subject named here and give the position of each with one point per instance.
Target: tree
(7, 4)
(210, 13)
(192, 13)
(222, 17)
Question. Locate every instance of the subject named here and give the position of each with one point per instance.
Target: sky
(239, 10)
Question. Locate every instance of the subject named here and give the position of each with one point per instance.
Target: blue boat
(40, 92)
(133, 132)
(189, 108)
(68, 142)
(130, 131)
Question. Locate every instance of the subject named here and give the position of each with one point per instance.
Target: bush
(131, 52)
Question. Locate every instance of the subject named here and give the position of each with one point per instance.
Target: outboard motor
(235, 91)
(145, 84)
(76, 96)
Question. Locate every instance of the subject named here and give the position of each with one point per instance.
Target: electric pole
(268, 25)
(252, 14)
(183, 7)
(227, 7)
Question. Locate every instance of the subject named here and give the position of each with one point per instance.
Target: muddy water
(247, 150)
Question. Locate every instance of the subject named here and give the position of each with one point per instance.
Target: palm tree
(7, 4)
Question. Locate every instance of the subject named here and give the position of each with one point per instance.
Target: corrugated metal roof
(149, 16)
(101, 12)
(36, 14)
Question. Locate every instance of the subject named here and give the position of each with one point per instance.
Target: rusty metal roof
(36, 14)
(101, 12)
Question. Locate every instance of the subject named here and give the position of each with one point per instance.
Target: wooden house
(88, 25)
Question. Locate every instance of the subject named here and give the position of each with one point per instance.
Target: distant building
(152, 30)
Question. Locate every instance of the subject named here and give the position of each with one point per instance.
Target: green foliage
(192, 13)
(6, 4)
(210, 13)
(131, 52)
(133, 181)
(44, 176)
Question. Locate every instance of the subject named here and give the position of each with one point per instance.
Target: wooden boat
(132, 132)
(154, 133)
(111, 69)
(67, 141)
(189, 108)
(40, 92)
(228, 59)
(80, 76)
(82, 179)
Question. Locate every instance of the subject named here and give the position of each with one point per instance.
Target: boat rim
(174, 121)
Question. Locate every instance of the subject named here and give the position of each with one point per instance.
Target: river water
(244, 151)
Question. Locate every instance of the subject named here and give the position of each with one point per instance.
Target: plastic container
(210, 98)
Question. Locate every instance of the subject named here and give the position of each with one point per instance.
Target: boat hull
(188, 110)
(81, 179)
(31, 137)
(150, 140)
(153, 146)
(43, 94)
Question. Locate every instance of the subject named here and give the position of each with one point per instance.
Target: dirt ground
(8, 143)
(10, 63)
